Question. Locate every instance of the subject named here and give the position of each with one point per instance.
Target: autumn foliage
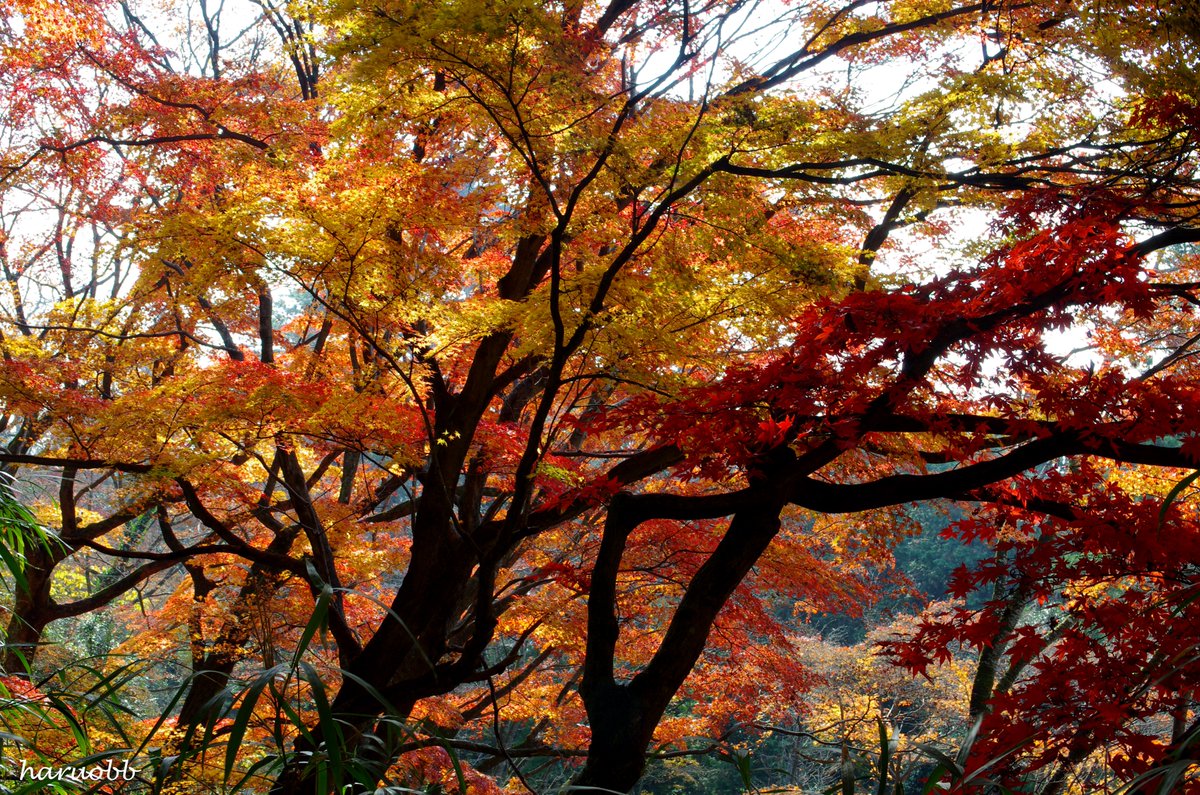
(498, 397)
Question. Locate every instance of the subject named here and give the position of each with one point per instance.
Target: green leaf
(1174, 493)
(885, 755)
(241, 720)
(935, 778)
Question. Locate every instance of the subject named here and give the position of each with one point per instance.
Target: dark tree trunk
(621, 732)
(210, 674)
(32, 609)
(399, 661)
(623, 717)
(403, 659)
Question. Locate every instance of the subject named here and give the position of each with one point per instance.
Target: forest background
(699, 396)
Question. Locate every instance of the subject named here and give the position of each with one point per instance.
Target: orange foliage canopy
(472, 365)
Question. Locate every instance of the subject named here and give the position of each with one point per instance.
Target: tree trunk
(399, 660)
(210, 675)
(32, 609)
(983, 686)
(621, 732)
(623, 717)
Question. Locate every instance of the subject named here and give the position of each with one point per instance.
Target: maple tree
(456, 363)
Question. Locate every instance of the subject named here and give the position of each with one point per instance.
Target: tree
(425, 321)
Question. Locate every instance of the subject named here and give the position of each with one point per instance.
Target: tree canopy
(484, 395)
